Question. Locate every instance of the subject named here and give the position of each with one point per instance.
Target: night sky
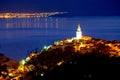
(74, 7)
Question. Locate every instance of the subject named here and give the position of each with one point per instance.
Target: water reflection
(30, 23)
(19, 35)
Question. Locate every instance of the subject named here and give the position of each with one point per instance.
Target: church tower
(79, 32)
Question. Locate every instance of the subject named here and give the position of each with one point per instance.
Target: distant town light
(29, 15)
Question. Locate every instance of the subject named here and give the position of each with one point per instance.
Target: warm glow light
(41, 74)
(10, 74)
(69, 40)
(59, 63)
(22, 62)
(28, 59)
(28, 15)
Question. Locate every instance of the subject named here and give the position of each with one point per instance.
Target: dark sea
(20, 36)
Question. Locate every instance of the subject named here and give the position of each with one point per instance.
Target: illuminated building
(79, 32)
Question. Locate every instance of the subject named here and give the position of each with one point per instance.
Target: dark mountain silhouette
(87, 67)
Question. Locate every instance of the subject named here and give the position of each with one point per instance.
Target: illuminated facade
(79, 32)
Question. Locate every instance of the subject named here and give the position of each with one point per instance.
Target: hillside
(87, 67)
(71, 59)
(4, 60)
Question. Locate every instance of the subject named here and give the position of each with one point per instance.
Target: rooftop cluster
(61, 52)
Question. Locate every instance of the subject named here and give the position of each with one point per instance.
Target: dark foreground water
(20, 36)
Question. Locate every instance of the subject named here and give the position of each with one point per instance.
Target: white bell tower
(78, 32)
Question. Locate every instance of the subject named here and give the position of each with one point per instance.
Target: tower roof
(79, 28)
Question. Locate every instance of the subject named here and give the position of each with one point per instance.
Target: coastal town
(87, 44)
(37, 64)
(29, 15)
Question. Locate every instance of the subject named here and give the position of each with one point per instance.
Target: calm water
(20, 36)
